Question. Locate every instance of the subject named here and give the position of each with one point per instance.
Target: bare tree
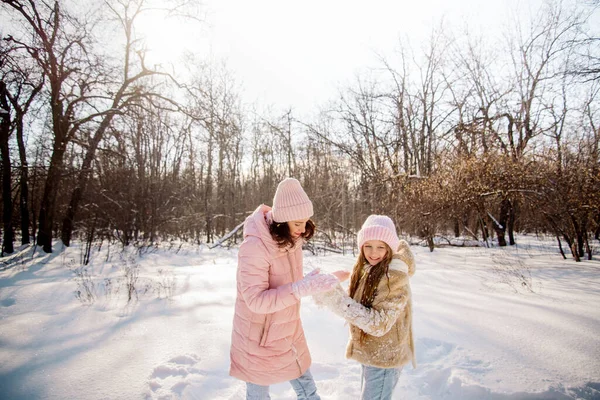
(5, 131)
(59, 44)
(215, 107)
(129, 87)
(85, 92)
(22, 86)
(539, 58)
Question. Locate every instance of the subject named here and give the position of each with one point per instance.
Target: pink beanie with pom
(291, 202)
(379, 227)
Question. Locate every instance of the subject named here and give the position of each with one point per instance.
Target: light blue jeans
(304, 386)
(378, 383)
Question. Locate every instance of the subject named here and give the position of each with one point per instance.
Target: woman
(268, 344)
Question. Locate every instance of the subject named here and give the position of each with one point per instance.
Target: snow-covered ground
(511, 323)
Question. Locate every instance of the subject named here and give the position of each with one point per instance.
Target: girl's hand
(341, 275)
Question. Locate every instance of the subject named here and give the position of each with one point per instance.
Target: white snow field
(500, 323)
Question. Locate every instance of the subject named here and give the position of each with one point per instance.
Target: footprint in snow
(431, 350)
(169, 380)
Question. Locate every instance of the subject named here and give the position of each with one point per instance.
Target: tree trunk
(575, 252)
(8, 236)
(560, 246)
(46, 217)
(557, 232)
(82, 181)
(572, 246)
(500, 225)
(511, 222)
(588, 249)
(208, 194)
(24, 184)
(580, 243)
(484, 230)
(430, 243)
(34, 183)
(67, 225)
(580, 231)
(221, 203)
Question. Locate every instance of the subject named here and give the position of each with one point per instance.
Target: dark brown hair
(372, 280)
(280, 232)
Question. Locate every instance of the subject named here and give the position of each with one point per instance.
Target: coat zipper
(296, 356)
(292, 344)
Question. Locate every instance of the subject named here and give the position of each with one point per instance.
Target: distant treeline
(467, 136)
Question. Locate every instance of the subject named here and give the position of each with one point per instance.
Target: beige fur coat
(388, 322)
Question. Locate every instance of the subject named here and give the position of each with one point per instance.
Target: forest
(462, 138)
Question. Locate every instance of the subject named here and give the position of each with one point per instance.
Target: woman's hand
(313, 284)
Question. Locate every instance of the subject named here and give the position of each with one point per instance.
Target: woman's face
(297, 228)
(374, 251)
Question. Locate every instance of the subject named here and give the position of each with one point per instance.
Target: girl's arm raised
(376, 321)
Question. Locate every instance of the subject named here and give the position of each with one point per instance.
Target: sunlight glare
(165, 39)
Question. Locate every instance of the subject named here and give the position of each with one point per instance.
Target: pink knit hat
(291, 202)
(379, 227)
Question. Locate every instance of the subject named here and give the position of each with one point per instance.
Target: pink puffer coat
(267, 342)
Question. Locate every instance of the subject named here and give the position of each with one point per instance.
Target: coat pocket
(265, 332)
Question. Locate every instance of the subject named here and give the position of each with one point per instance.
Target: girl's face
(297, 228)
(374, 251)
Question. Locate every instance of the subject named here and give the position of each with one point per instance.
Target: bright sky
(296, 53)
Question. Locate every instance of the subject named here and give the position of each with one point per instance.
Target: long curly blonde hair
(373, 278)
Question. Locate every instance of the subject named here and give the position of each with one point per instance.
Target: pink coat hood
(267, 343)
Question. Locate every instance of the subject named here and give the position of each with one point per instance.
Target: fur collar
(399, 265)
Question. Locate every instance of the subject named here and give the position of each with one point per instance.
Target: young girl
(267, 343)
(378, 307)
